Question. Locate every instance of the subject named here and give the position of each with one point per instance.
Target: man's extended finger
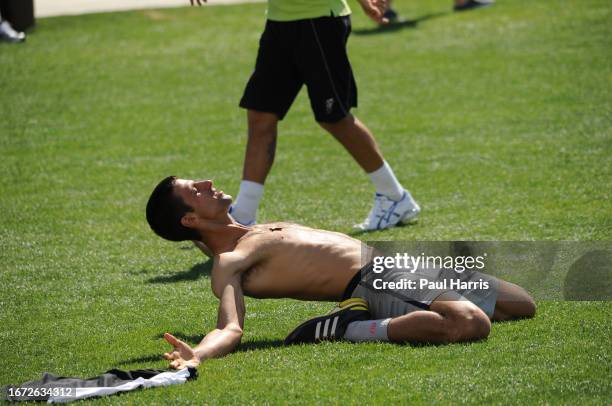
(172, 340)
(174, 364)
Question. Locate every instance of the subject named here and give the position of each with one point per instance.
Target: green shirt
(291, 10)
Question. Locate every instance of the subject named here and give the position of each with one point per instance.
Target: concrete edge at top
(51, 8)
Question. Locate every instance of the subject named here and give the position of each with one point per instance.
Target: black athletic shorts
(311, 52)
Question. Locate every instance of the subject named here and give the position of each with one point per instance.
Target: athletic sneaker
(388, 213)
(331, 326)
(246, 223)
(470, 4)
(8, 34)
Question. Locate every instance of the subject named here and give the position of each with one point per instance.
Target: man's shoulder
(242, 257)
(227, 260)
(255, 245)
(226, 267)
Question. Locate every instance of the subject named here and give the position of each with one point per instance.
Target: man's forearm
(218, 343)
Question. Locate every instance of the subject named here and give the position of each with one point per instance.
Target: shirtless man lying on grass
(283, 260)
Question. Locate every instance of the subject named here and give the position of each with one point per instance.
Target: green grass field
(498, 120)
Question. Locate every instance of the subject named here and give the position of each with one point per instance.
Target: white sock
(244, 209)
(386, 183)
(367, 330)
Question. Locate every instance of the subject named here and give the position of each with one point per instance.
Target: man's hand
(375, 9)
(198, 2)
(182, 356)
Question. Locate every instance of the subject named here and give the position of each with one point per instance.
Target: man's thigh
(275, 81)
(413, 291)
(450, 319)
(324, 64)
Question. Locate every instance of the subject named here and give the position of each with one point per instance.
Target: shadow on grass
(194, 339)
(354, 233)
(255, 345)
(144, 358)
(260, 345)
(399, 25)
(195, 272)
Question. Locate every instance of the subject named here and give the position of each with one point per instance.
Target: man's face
(206, 201)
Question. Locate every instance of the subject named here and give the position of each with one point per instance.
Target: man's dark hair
(165, 211)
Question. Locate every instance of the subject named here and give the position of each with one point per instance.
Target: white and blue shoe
(388, 213)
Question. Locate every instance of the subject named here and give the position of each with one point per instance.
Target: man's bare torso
(290, 260)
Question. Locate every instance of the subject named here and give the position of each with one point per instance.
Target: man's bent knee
(331, 126)
(262, 123)
(467, 322)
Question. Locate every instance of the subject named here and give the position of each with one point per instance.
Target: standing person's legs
(261, 145)
(258, 160)
(357, 139)
(325, 66)
(267, 97)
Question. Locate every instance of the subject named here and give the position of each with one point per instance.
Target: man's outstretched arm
(222, 340)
